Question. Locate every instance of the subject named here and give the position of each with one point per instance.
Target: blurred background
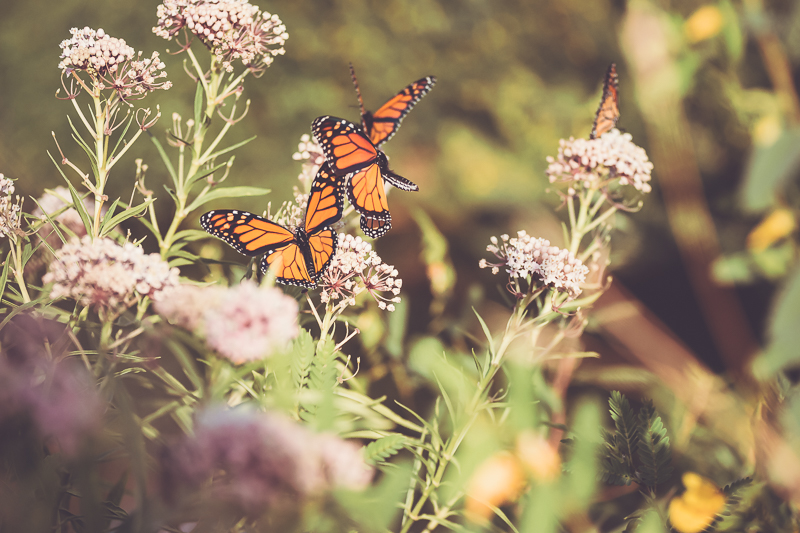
(707, 88)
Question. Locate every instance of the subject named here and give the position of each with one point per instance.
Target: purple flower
(58, 395)
(257, 461)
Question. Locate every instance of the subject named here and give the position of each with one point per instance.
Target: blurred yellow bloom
(776, 226)
(538, 456)
(499, 480)
(767, 130)
(696, 508)
(704, 23)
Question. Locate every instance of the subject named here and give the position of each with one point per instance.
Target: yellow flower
(497, 481)
(538, 456)
(776, 226)
(704, 23)
(695, 509)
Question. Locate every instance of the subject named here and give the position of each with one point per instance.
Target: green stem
(16, 253)
(514, 327)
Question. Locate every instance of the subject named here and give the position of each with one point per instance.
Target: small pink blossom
(526, 257)
(251, 322)
(105, 275)
(593, 162)
(356, 268)
(231, 29)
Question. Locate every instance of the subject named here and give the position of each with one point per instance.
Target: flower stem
(16, 253)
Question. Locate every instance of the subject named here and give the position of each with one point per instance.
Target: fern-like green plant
(380, 450)
(638, 449)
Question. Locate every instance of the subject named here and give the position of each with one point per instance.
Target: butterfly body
(300, 254)
(608, 111)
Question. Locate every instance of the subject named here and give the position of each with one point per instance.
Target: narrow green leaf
(232, 147)
(202, 173)
(121, 137)
(485, 331)
(4, 274)
(199, 95)
(164, 157)
(190, 235)
(77, 203)
(125, 215)
(107, 217)
(227, 192)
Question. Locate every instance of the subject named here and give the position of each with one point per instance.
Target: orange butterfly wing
(367, 194)
(608, 111)
(247, 233)
(292, 269)
(346, 147)
(322, 247)
(326, 200)
(383, 123)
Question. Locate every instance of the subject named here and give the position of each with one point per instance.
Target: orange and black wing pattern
(367, 193)
(326, 200)
(291, 264)
(347, 149)
(325, 207)
(608, 111)
(381, 125)
(247, 233)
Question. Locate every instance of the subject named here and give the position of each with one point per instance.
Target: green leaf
(164, 157)
(302, 356)
(199, 95)
(125, 215)
(784, 335)
(77, 203)
(202, 173)
(4, 275)
(226, 192)
(231, 148)
(653, 449)
(189, 235)
(383, 448)
(486, 331)
(121, 137)
(625, 422)
(770, 167)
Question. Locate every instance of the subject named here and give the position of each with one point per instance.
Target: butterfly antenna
(358, 93)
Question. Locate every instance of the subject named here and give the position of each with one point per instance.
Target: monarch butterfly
(608, 110)
(302, 254)
(350, 152)
(381, 125)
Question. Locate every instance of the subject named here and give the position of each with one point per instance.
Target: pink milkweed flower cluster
(524, 256)
(231, 29)
(10, 220)
(595, 162)
(356, 268)
(105, 275)
(259, 461)
(112, 64)
(242, 323)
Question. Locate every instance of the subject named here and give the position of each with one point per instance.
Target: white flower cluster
(292, 213)
(248, 322)
(114, 64)
(312, 156)
(232, 29)
(103, 274)
(524, 256)
(355, 268)
(94, 50)
(593, 161)
(185, 305)
(10, 220)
